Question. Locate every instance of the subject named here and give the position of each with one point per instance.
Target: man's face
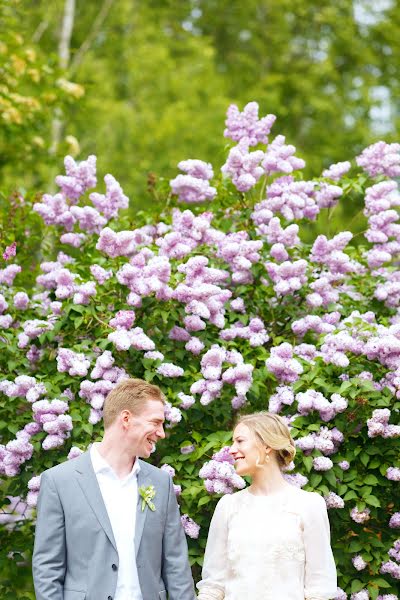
(146, 428)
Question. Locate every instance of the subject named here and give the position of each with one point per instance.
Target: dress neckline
(276, 495)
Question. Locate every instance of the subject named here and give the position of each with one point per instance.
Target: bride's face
(246, 450)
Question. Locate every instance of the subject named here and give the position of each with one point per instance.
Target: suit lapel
(88, 482)
(142, 480)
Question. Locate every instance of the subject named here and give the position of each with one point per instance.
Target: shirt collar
(100, 465)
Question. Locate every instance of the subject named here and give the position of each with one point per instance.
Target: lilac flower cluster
(50, 415)
(380, 159)
(393, 473)
(282, 364)
(378, 424)
(74, 363)
(334, 501)
(283, 395)
(79, 177)
(10, 251)
(337, 170)
(320, 325)
(23, 387)
(15, 453)
(171, 472)
(313, 400)
(33, 494)
(188, 232)
(32, 329)
(279, 157)
(325, 440)
(200, 293)
(288, 277)
(220, 475)
(360, 516)
(394, 521)
(255, 332)
(294, 200)
(186, 401)
(240, 254)
(383, 231)
(110, 203)
(361, 595)
(358, 562)
(144, 275)
(330, 253)
(190, 527)
(8, 274)
(247, 124)
(124, 339)
(194, 186)
(243, 167)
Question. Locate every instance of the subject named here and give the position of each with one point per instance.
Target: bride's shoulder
(309, 499)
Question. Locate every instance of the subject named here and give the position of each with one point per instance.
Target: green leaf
(373, 501)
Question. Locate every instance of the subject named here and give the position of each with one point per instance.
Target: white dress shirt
(120, 498)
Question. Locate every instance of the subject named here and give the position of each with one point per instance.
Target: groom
(108, 525)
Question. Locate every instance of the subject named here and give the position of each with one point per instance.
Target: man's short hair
(129, 394)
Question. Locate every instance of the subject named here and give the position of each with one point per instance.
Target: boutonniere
(147, 494)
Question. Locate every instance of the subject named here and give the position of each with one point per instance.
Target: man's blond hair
(129, 394)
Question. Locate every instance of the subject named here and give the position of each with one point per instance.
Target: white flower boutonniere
(147, 494)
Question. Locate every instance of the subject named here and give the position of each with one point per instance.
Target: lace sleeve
(320, 570)
(215, 568)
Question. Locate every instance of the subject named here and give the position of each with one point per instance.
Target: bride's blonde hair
(272, 431)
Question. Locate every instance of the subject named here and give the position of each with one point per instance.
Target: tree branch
(98, 22)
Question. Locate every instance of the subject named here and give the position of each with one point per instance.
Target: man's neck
(120, 459)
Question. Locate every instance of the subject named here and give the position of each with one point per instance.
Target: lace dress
(269, 548)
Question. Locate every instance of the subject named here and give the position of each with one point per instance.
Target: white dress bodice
(269, 548)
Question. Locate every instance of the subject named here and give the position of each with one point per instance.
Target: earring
(267, 458)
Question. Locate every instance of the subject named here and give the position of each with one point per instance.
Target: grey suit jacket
(75, 555)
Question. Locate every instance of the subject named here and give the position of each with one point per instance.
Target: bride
(270, 541)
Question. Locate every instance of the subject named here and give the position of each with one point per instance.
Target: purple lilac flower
(33, 494)
(296, 479)
(186, 401)
(380, 159)
(334, 501)
(169, 370)
(172, 414)
(76, 364)
(243, 167)
(295, 200)
(360, 516)
(196, 168)
(113, 201)
(190, 527)
(8, 274)
(340, 594)
(322, 463)
(279, 157)
(282, 364)
(188, 449)
(192, 190)
(21, 301)
(361, 595)
(344, 465)
(247, 124)
(79, 177)
(358, 562)
(394, 522)
(393, 473)
(74, 453)
(337, 170)
(288, 277)
(10, 251)
(391, 568)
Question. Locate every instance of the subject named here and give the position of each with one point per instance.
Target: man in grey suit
(108, 524)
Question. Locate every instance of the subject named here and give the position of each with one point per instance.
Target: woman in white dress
(270, 541)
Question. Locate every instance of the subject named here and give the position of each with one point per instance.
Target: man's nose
(161, 432)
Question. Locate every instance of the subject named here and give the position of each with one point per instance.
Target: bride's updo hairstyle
(272, 431)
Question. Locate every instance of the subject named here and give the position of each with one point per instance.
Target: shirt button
(114, 567)
(109, 598)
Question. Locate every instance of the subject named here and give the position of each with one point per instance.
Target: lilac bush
(228, 306)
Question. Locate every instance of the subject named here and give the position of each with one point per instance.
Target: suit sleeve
(49, 553)
(176, 571)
